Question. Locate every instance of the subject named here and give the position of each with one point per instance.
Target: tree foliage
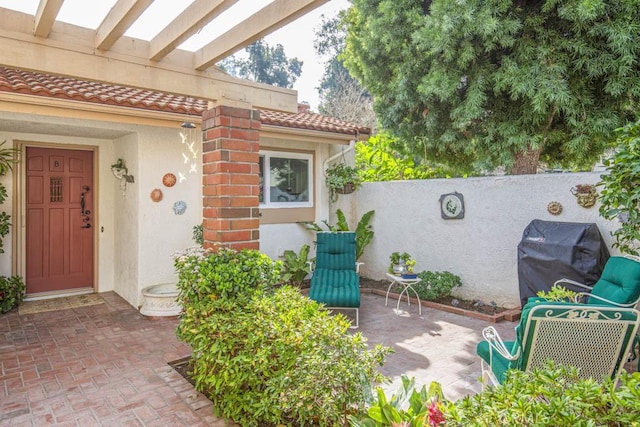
(620, 195)
(385, 158)
(506, 82)
(265, 64)
(341, 95)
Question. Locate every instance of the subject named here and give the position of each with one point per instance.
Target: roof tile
(39, 84)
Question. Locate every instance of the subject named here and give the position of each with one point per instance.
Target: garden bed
(469, 308)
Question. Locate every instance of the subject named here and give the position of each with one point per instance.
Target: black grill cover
(551, 250)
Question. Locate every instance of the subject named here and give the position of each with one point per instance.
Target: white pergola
(39, 42)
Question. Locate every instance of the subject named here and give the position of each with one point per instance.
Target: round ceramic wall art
(179, 207)
(554, 208)
(169, 180)
(156, 195)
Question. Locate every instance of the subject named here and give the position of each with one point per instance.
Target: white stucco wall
(126, 224)
(160, 231)
(482, 247)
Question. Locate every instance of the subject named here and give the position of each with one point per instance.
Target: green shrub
(558, 293)
(296, 266)
(224, 274)
(11, 292)
(269, 356)
(408, 407)
(436, 284)
(551, 397)
(554, 396)
(196, 234)
(620, 194)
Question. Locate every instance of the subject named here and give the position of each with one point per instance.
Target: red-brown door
(59, 222)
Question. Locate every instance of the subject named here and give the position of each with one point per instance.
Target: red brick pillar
(231, 181)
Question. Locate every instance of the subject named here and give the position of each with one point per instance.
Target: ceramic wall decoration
(586, 194)
(452, 206)
(169, 180)
(554, 208)
(179, 207)
(156, 195)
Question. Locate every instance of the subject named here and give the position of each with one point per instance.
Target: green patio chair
(619, 284)
(595, 339)
(335, 281)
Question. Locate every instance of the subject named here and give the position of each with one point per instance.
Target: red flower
(436, 417)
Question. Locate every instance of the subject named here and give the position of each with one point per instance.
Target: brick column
(231, 181)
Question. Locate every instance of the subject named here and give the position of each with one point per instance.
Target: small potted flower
(341, 179)
(409, 274)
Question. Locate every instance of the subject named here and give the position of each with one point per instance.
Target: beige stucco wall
(482, 247)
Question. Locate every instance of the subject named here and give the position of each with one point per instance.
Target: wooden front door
(59, 220)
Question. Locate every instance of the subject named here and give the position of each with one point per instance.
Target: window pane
(288, 180)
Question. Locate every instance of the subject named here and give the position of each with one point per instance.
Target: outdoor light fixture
(120, 171)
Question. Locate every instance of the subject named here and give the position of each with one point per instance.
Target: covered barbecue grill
(552, 250)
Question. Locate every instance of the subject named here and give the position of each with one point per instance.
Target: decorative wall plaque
(452, 206)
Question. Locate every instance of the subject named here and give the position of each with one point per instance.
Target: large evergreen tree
(501, 81)
(265, 64)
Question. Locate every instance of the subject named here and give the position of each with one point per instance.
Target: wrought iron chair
(335, 281)
(595, 339)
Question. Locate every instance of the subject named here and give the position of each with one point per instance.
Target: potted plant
(409, 274)
(398, 262)
(341, 179)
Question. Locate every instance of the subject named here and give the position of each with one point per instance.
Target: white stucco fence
(482, 247)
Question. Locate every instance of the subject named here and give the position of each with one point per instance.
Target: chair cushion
(336, 251)
(620, 282)
(335, 288)
(499, 365)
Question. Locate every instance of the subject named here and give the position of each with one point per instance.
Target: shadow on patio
(106, 364)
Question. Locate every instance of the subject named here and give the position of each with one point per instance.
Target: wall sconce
(120, 171)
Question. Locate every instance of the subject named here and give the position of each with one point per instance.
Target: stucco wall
(482, 247)
(161, 231)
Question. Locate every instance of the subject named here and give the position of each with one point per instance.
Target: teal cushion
(335, 288)
(620, 282)
(499, 365)
(336, 251)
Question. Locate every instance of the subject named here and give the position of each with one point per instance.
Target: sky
(296, 38)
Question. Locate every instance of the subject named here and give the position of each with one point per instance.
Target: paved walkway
(106, 365)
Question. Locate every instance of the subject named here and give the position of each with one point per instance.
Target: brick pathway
(107, 365)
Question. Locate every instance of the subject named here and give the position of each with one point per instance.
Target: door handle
(84, 212)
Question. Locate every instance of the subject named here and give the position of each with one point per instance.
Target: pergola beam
(188, 23)
(121, 16)
(266, 20)
(46, 16)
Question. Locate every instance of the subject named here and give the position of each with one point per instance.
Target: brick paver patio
(106, 364)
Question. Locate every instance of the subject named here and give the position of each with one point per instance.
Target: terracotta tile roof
(50, 86)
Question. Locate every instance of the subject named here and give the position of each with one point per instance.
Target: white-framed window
(286, 179)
